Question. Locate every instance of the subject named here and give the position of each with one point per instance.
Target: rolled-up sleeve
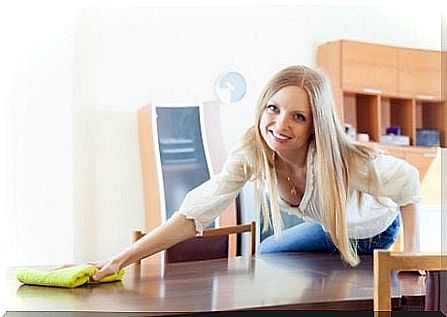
(398, 180)
(207, 201)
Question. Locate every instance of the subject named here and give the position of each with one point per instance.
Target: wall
(74, 187)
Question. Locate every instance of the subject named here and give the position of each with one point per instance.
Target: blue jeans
(310, 237)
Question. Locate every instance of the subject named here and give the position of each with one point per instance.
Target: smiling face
(286, 121)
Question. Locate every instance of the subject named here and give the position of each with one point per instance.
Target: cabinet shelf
(362, 111)
(428, 115)
(397, 112)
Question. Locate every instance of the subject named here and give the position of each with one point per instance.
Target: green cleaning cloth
(66, 277)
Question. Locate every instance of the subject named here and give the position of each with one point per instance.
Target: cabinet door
(422, 160)
(420, 73)
(369, 67)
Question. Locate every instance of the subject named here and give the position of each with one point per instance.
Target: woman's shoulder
(245, 145)
(381, 163)
(242, 154)
(379, 157)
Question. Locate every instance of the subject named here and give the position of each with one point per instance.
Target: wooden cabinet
(377, 86)
(369, 67)
(419, 73)
(358, 67)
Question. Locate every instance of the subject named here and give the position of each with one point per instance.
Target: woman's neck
(293, 160)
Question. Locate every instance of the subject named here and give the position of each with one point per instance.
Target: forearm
(410, 223)
(175, 230)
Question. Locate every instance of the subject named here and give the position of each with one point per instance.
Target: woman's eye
(272, 108)
(299, 117)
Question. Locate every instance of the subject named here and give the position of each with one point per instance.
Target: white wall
(73, 180)
(36, 131)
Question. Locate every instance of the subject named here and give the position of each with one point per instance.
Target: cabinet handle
(425, 97)
(372, 90)
(429, 154)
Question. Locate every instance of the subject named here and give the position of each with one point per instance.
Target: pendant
(293, 191)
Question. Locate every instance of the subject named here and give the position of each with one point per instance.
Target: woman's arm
(410, 223)
(398, 180)
(175, 230)
(199, 208)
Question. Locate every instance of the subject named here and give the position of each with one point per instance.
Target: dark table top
(274, 281)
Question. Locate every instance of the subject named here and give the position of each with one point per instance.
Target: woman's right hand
(178, 228)
(105, 269)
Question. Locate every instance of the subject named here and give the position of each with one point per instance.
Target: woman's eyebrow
(301, 111)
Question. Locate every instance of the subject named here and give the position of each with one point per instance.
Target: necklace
(290, 183)
(292, 186)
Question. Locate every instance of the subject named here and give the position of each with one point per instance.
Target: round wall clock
(230, 87)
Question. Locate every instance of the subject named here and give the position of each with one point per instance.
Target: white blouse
(399, 186)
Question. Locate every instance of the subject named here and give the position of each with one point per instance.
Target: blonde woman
(350, 196)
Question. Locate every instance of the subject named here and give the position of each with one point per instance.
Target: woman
(350, 195)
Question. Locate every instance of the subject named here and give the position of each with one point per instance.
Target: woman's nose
(282, 122)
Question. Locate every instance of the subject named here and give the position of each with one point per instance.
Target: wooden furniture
(268, 281)
(385, 262)
(377, 86)
(197, 253)
(180, 148)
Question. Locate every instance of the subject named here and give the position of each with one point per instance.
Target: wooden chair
(165, 183)
(190, 250)
(386, 261)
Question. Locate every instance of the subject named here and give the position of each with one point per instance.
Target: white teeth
(280, 136)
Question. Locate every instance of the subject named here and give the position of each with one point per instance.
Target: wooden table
(273, 281)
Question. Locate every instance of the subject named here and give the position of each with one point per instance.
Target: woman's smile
(279, 137)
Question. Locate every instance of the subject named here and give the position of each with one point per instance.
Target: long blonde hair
(336, 157)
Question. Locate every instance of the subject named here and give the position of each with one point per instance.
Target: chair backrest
(386, 261)
(180, 148)
(193, 249)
